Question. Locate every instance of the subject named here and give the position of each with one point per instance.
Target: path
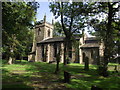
(37, 80)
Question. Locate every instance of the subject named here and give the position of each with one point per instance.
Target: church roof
(91, 38)
(55, 39)
(90, 45)
(91, 42)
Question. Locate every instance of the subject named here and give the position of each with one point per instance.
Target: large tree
(57, 32)
(107, 28)
(17, 19)
(72, 21)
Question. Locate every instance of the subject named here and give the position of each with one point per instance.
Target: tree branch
(61, 11)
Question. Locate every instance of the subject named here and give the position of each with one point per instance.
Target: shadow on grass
(83, 79)
(42, 75)
(37, 75)
(10, 80)
(111, 83)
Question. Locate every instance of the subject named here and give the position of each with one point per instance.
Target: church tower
(43, 30)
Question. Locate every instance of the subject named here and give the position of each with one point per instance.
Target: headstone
(67, 77)
(94, 87)
(86, 63)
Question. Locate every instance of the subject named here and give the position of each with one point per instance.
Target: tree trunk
(68, 44)
(57, 60)
(118, 59)
(108, 41)
(66, 54)
(65, 61)
(10, 60)
(57, 67)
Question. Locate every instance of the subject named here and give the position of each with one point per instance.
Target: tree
(106, 28)
(72, 21)
(57, 60)
(17, 23)
(57, 30)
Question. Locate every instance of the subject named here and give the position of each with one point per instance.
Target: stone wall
(91, 53)
(73, 54)
(51, 52)
(62, 53)
(39, 53)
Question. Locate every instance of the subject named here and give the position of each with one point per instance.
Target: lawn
(37, 75)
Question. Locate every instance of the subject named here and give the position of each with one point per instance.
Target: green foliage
(107, 28)
(58, 30)
(72, 21)
(71, 14)
(17, 35)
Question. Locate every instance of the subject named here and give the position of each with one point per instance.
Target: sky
(42, 10)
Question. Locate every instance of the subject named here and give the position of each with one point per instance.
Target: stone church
(45, 46)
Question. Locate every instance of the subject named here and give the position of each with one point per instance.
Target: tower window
(49, 33)
(39, 31)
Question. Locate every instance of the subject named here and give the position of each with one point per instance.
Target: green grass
(41, 75)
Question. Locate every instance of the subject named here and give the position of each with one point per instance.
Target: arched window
(55, 49)
(49, 33)
(92, 53)
(83, 54)
(39, 31)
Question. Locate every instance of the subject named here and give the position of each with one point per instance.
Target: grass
(41, 75)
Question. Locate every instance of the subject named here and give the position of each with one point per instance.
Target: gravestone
(86, 63)
(67, 77)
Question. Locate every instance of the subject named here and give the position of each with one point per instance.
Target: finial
(52, 21)
(45, 17)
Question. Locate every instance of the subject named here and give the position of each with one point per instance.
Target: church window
(55, 50)
(91, 53)
(39, 31)
(42, 51)
(83, 57)
(49, 33)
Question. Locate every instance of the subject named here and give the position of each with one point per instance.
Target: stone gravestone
(86, 63)
(67, 77)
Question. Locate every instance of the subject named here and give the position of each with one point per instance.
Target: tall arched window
(49, 33)
(55, 49)
(92, 53)
(83, 54)
(39, 31)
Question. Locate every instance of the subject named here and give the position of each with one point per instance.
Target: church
(45, 46)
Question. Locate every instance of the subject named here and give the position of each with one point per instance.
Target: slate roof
(91, 38)
(55, 39)
(90, 45)
(90, 42)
